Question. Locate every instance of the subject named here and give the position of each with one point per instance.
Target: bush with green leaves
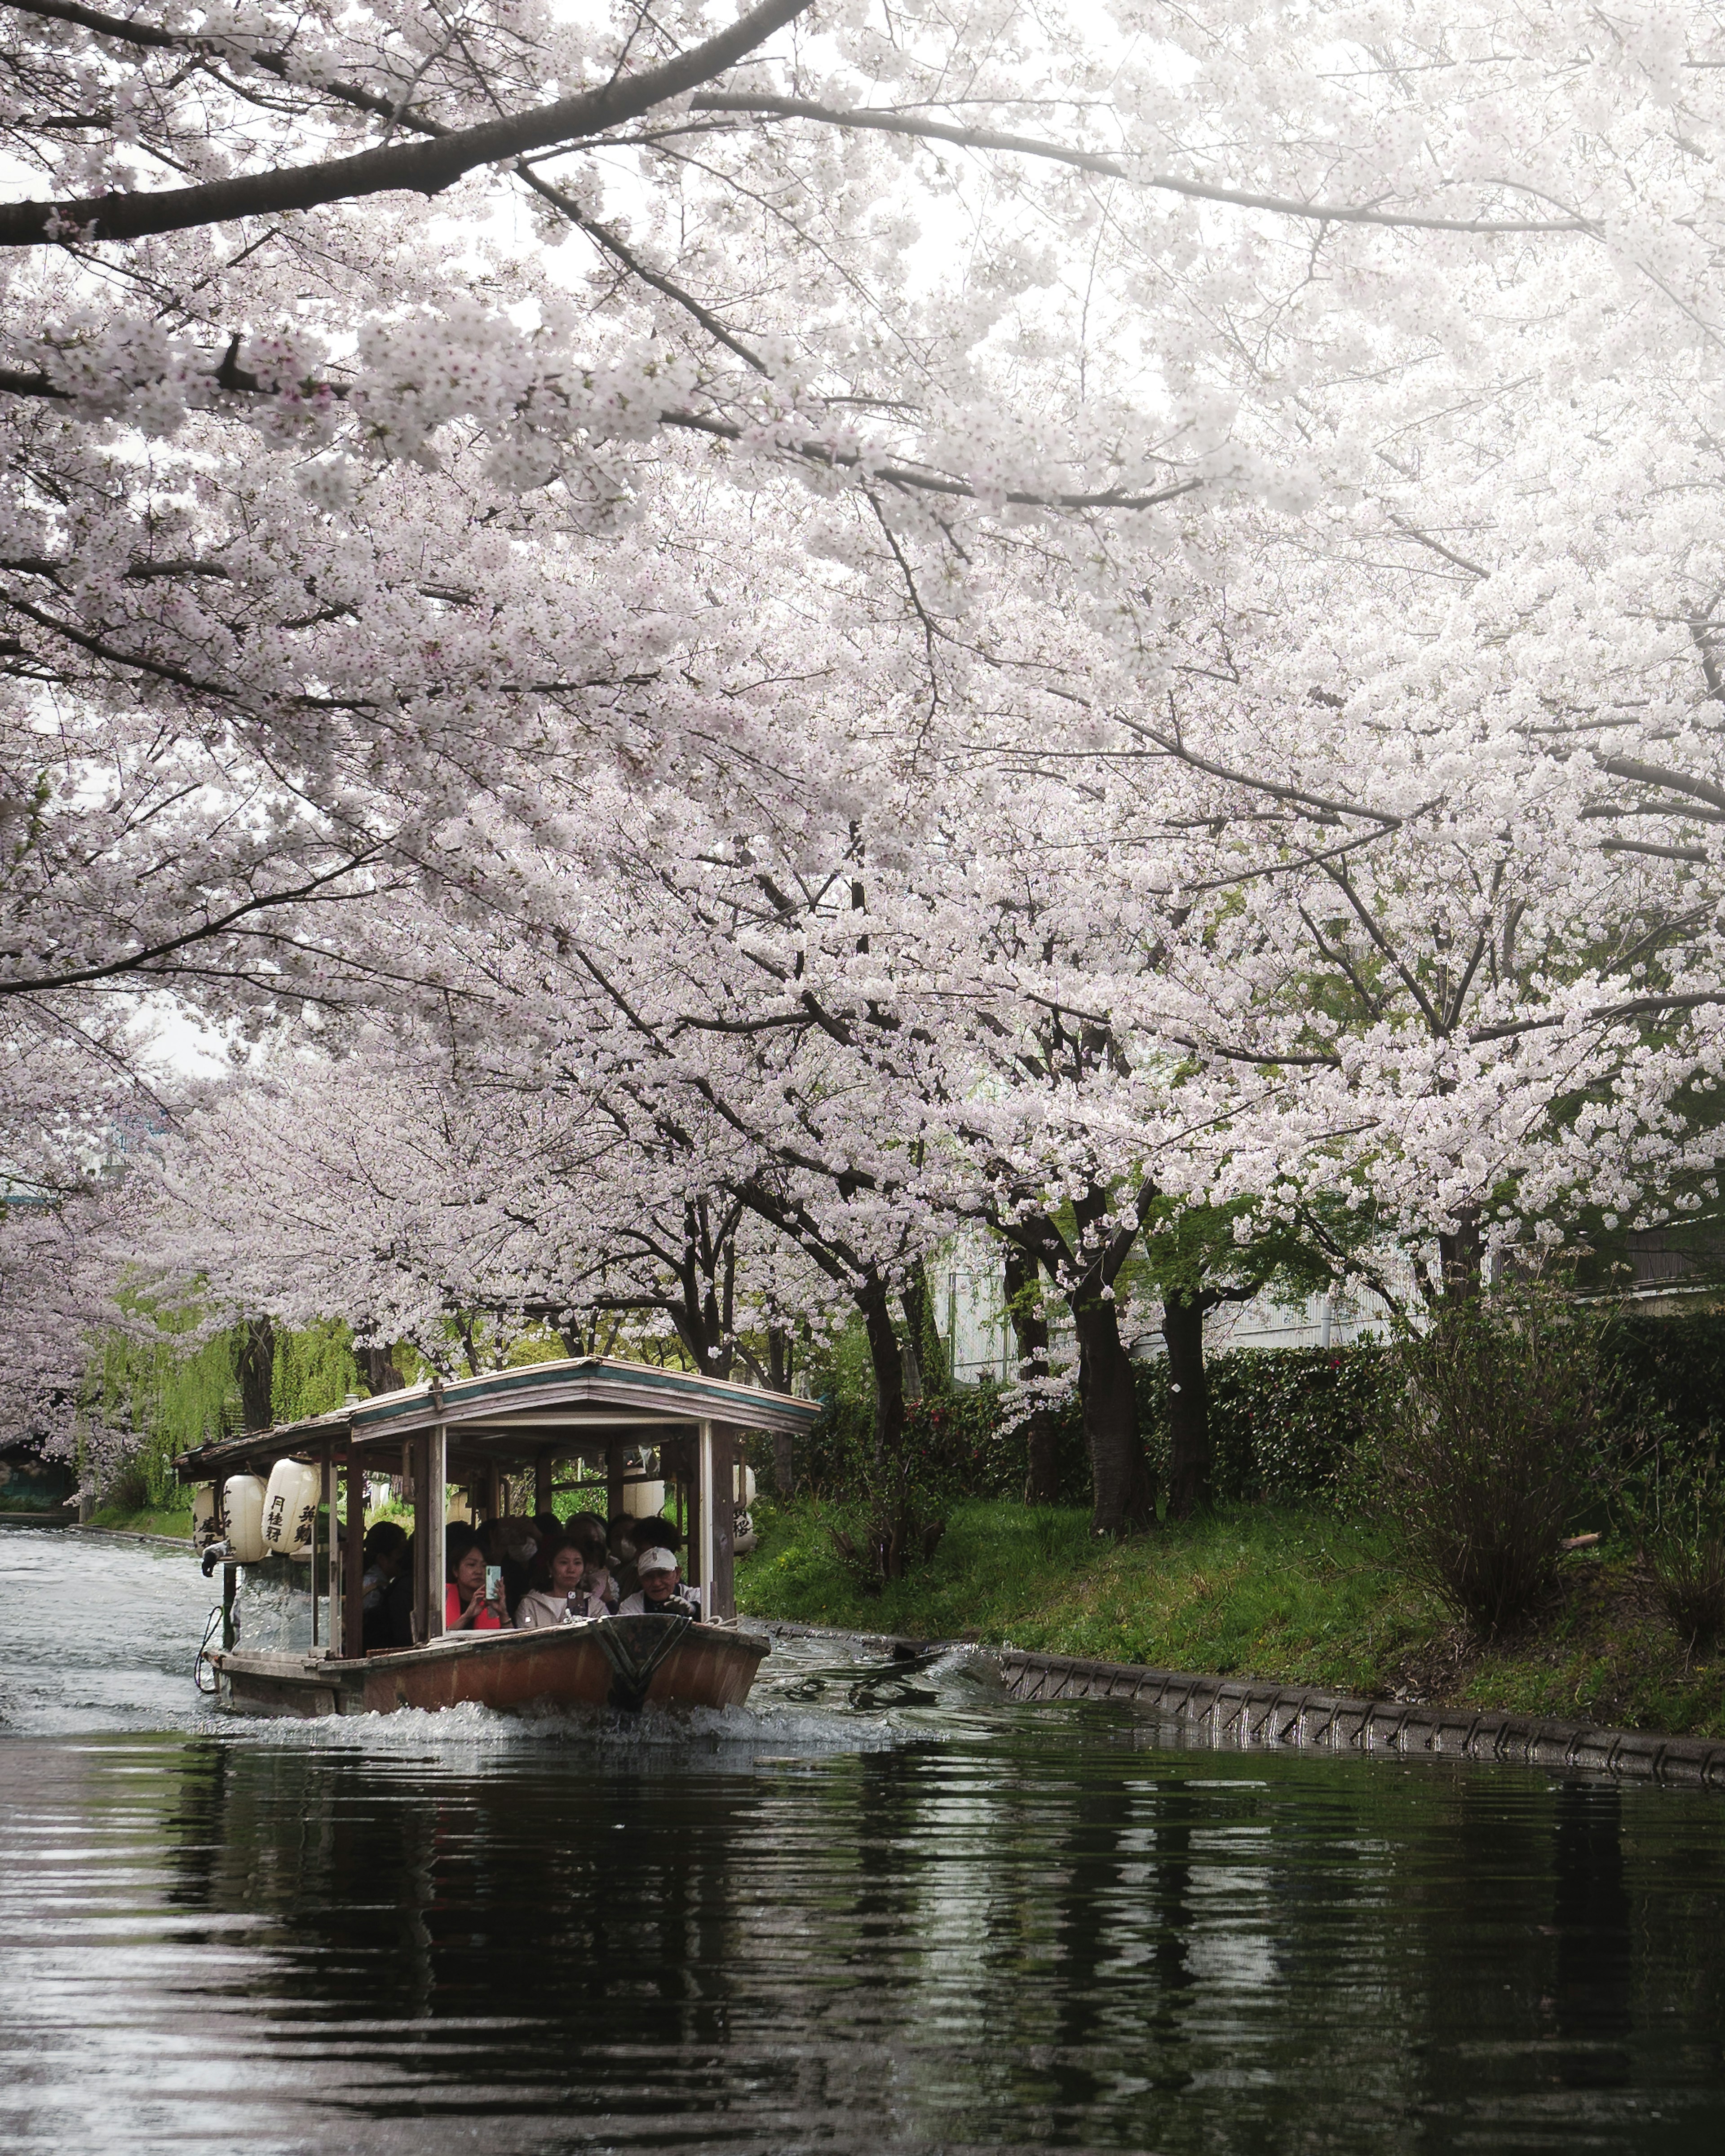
(1490, 1427)
(1670, 1493)
(1687, 1562)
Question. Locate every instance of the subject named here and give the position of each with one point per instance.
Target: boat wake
(808, 1700)
(101, 1635)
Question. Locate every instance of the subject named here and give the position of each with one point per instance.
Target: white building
(967, 1283)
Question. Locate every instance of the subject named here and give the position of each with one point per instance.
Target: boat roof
(514, 1416)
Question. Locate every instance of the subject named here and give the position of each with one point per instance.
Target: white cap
(655, 1560)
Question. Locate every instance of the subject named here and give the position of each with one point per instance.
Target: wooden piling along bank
(1241, 1713)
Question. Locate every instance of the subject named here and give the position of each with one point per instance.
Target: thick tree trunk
(1124, 1488)
(886, 1360)
(255, 1368)
(1461, 1256)
(377, 1368)
(1029, 1327)
(1188, 1481)
(922, 1335)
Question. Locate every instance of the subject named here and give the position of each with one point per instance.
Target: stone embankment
(1233, 1712)
(1229, 1711)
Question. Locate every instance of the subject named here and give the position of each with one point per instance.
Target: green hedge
(1285, 1423)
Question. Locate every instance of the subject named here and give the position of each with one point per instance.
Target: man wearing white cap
(659, 1594)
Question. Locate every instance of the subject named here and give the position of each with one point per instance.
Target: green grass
(1293, 1595)
(150, 1522)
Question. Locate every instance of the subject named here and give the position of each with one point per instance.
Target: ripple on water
(843, 1919)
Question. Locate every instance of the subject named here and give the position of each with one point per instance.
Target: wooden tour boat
(262, 1494)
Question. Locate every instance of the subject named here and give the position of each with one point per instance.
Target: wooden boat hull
(626, 1662)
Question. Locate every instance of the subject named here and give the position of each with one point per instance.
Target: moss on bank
(1296, 1595)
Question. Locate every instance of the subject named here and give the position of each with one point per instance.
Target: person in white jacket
(566, 1600)
(659, 1594)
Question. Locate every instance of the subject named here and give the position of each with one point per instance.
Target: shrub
(1671, 1493)
(1486, 1426)
(127, 1484)
(1689, 1572)
(884, 1517)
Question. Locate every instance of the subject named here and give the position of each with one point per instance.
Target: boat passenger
(659, 1593)
(385, 1547)
(466, 1606)
(656, 1533)
(512, 1544)
(566, 1598)
(587, 1530)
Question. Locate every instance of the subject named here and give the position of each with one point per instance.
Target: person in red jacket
(466, 1607)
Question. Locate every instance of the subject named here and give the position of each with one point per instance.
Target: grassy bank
(149, 1521)
(1293, 1595)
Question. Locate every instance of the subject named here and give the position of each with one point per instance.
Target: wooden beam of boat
(620, 1662)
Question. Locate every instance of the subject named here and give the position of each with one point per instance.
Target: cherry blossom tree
(1214, 701)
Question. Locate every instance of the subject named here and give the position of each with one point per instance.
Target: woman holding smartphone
(566, 1597)
(473, 1597)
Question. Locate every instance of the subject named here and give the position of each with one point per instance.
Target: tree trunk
(377, 1367)
(1188, 1408)
(1029, 1327)
(910, 1365)
(255, 1365)
(893, 1532)
(1124, 1487)
(886, 1360)
(1460, 1256)
(923, 1333)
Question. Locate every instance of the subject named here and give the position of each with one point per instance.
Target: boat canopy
(473, 1431)
(511, 1418)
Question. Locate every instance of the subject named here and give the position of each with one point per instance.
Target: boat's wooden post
(353, 1558)
(721, 1512)
(542, 1466)
(437, 1469)
(703, 1491)
(333, 1560)
(323, 1484)
(426, 1567)
(230, 1588)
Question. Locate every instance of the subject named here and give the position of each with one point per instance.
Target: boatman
(659, 1594)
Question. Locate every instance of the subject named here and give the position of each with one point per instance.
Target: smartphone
(494, 1582)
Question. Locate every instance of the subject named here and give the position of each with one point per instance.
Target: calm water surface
(821, 1924)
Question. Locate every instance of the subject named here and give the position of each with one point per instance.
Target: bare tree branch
(1659, 774)
(1113, 167)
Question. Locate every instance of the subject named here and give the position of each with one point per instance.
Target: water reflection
(955, 1926)
(1093, 1943)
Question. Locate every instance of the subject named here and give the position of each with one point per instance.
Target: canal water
(844, 1919)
